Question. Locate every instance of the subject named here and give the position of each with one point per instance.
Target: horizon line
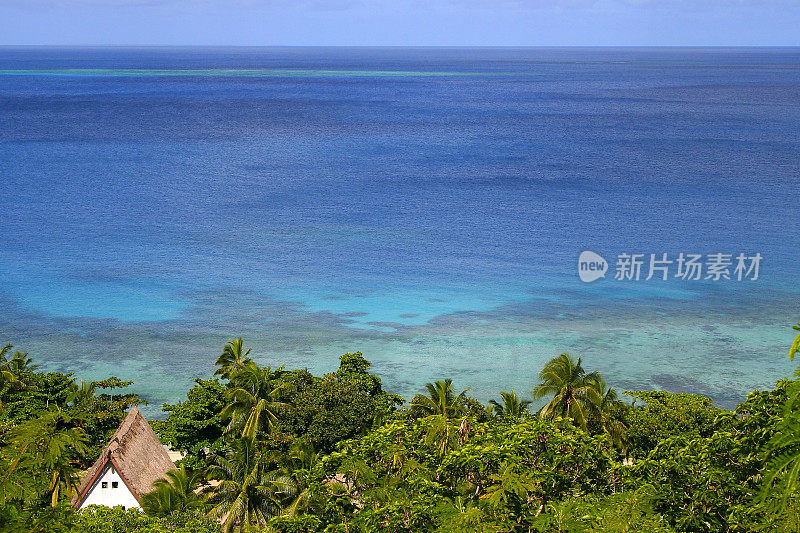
(401, 46)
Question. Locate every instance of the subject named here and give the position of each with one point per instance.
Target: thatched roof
(135, 452)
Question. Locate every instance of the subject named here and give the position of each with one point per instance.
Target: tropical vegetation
(275, 450)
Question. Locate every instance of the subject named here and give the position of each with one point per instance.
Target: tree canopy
(275, 450)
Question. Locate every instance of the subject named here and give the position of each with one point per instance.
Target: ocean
(426, 206)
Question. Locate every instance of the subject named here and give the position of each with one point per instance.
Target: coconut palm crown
(574, 393)
(511, 407)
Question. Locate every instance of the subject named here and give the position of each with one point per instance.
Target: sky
(401, 22)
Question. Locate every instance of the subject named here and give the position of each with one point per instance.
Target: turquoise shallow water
(424, 206)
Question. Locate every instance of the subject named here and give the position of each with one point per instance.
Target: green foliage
(441, 399)
(292, 452)
(293, 524)
(195, 425)
(36, 393)
(96, 519)
(622, 512)
(756, 421)
(697, 481)
(252, 489)
(626, 512)
(575, 395)
(409, 514)
(254, 400)
(706, 472)
(339, 406)
(328, 411)
(517, 469)
(40, 458)
(783, 469)
(407, 481)
(666, 414)
(510, 406)
(232, 359)
(9, 370)
(796, 344)
(113, 383)
(99, 415)
(581, 397)
(783, 448)
(353, 368)
(40, 519)
(608, 416)
(176, 492)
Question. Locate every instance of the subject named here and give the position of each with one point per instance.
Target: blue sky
(402, 22)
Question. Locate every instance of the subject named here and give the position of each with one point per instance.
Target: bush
(96, 519)
(294, 524)
(664, 415)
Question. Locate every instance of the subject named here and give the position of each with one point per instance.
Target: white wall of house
(109, 490)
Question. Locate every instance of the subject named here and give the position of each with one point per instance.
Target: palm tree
(302, 456)
(83, 394)
(300, 461)
(254, 401)
(177, 491)
(441, 400)
(232, 359)
(20, 363)
(512, 406)
(441, 433)
(795, 347)
(248, 493)
(608, 415)
(8, 378)
(49, 448)
(782, 473)
(575, 395)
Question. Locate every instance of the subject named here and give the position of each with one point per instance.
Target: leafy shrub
(96, 519)
(666, 414)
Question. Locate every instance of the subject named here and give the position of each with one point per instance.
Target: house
(131, 461)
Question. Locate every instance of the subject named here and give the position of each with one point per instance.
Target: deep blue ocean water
(424, 206)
